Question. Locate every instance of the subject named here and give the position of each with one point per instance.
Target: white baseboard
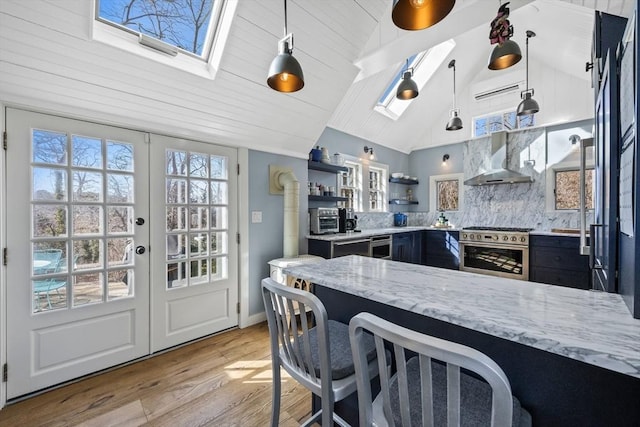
(254, 320)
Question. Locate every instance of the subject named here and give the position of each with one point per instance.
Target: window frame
(124, 38)
(502, 114)
(383, 181)
(550, 193)
(362, 184)
(433, 188)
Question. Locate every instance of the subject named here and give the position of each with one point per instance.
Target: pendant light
(420, 14)
(528, 104)
(407, 89)
(285, 73)
(507, 52)
(455, 122)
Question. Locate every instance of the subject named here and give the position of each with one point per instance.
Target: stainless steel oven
(502, 252)
(381, 246)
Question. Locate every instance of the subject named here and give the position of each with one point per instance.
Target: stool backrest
(427, 347)
(286, 308)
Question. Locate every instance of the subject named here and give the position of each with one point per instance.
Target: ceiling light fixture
(507, 52)
(407, 89)
(528, 104)
(420, 14)
(285, 72)
(369, 151)
(455, 122)
(444, 159)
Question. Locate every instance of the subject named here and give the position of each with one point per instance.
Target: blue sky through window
(182, 23)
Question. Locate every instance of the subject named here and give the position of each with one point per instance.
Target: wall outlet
(256, 217)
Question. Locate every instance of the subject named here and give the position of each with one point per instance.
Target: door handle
(593, 246)
(140, 250)
(139, 221)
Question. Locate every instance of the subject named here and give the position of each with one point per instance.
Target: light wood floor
(224, 380)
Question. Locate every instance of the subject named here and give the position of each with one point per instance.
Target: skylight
(424, 66)
(170, 26)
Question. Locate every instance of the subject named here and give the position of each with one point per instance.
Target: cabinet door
(402, 247)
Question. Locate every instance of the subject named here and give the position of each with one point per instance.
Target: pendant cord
(527, 64)
(454, 86)
(285, 18)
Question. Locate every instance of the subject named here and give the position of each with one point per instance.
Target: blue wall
(265, 239)
(427, 162)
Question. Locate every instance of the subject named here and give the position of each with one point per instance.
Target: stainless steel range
(498, 251)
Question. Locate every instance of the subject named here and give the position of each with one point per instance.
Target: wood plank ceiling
(349, 49)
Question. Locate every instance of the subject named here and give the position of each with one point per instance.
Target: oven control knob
(513, 238)
(505, 238)
(523, 239)
(472, 236)
(496, 238)
(464, 235)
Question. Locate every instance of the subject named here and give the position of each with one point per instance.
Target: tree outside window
(567, 189)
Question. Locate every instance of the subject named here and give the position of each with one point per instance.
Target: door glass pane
(198, 213)
(119, 188)
(87, 219)
(49, 184)
(49, 147)
(87, 289)
(119, 156)
(86, 152)
(73, 261)
(87, 186)
(49, 220)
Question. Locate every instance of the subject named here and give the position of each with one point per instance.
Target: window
(351, 185)
(377, 189)
(190, 33)
(567, 189)
(505, 120)
(563, 186)
(365, 195)
(424, 66)
(446, 192)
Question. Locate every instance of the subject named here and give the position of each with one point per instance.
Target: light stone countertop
(593, 327)
(372, 232)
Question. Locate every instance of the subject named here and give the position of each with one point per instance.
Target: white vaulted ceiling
(349, 51)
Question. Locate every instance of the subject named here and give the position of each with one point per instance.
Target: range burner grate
(508, 229)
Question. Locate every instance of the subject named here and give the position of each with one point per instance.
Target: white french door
(194, 267)
(93, 280)
(77, 299)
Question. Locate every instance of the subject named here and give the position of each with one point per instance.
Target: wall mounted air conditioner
(504, 84)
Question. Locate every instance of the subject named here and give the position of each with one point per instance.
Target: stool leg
(275, 398)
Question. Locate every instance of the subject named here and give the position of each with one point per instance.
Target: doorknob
(140, 250)
(139, 221)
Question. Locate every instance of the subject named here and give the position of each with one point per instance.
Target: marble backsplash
(501, 205)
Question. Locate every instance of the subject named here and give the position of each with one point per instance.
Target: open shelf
(404, 181)
(326, 167)
(402, 202)
(327, 199)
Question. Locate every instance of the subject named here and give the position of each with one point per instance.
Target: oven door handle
(494, 246)
(350, 242)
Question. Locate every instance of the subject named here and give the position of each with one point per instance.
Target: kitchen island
(572, 356)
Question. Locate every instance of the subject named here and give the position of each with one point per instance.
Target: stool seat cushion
(475, 398)
(340, 350)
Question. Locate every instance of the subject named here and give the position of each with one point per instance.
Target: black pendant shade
(420, 14)
(285, 72)
(455, 122)
(407, 89)
(528, 104)
(505, 55)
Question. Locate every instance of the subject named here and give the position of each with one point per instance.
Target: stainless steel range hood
(500, 172)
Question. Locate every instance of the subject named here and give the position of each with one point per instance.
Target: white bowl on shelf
(406, 177)
(415, 178)
(397, 175)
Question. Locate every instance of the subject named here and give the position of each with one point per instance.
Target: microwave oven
(324, 220)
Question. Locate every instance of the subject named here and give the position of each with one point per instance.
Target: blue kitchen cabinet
(406, 247)
(440, 249)
(556, 260)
